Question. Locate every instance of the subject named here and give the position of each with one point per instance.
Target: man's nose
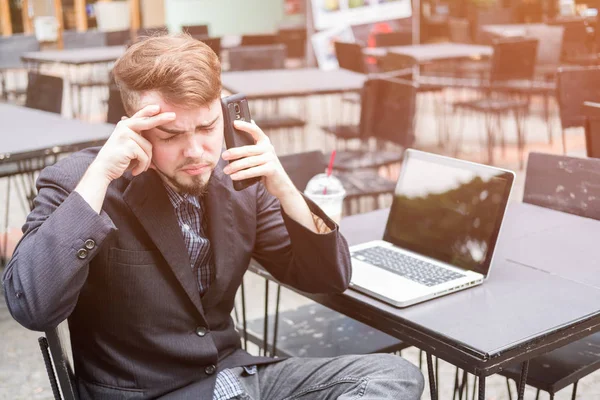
(193, 148)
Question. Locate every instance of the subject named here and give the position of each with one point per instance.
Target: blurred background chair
(44, 92)
(11, 67)
(575, 85)
(118, 38)
(247, 58)
(83, 40)
(513, 63)
(152, 31)
(213, 42)
(350, 56)
(259, 40)
(294, 40)
(195, 30)
(389, 39)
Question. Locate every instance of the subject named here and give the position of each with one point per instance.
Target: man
(142, 245)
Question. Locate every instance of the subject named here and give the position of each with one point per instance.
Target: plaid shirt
(188, 210)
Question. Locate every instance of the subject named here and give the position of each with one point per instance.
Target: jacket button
(82, 254)
(90, 244)
(210, 369)
(201, 331)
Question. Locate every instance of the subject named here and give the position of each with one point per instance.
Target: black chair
(11, 49)
(213, 42)
(577, 176)
(575, 85)
(259, 40)
(294, 40)
(118, 38)
(195, 29)
(56, 349)
(116, 109)
(83, 40)
(389, 39)
(247, 58)
(292, 332)
(565, 366)
(142, 33)
(44, 92)
(513, 63)
(592, 129)
(350, 56)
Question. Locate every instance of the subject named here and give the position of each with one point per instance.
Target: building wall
(226, 16)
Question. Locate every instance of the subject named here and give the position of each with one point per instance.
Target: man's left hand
(258, 160)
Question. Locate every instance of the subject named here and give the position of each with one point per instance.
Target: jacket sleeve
(62, 234)
(294, 255)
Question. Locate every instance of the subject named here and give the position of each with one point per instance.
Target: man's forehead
(154, 98)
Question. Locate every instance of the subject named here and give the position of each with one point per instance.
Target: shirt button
(186, 227)
(210, 369)
(19, 295)
(201, 331)
(90, 244)
(82, 254)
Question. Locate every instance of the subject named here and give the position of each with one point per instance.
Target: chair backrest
(118, 38)
(257, 57)
(82, 40)
(195, 29)
(389, 39)
(12, 47)
(402, 64)
(575, 38)
(350, 56)
(550, 44)
(592, 129)
(392, 116)
(574, 86)
(513, 59)
(563, 183)
(213, 42)
(458, 30)
(301, 167)
(59, 344)
(152, 31)
(294, 40)
(116, 109)
(259, 40)
(44, 92)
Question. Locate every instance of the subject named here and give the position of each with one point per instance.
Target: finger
(123, 118)
(147, 111)
(246, 162)
(142, 142)
(253, 129)
(146, 123)
(261, 170)
(142, 161)
(245, 151)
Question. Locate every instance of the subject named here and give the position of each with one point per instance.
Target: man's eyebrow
(178, 132)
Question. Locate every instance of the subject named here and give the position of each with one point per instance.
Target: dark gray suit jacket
(123, 278)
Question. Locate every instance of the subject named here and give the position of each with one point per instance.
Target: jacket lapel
(149, 202)
(219, 214)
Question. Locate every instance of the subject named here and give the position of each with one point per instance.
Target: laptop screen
(448, 209)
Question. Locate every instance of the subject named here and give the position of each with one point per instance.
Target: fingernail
(170, 115)
(154, 107)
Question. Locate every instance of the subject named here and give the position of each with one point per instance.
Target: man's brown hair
(183, 70)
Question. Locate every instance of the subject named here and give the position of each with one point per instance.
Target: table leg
(432, 382)
(481, 387)
(523, 380)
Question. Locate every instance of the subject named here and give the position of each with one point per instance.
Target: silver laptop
(441, 231)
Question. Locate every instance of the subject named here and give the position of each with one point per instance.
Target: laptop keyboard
(416, 270)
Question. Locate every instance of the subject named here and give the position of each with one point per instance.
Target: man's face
(186, 150)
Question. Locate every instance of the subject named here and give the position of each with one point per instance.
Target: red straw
(329, 168)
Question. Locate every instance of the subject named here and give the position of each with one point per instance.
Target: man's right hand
(124, 149)
(127, 148)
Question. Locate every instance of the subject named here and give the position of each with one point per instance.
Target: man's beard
(197, 188)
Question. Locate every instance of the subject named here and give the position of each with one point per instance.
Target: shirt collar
(177, 199)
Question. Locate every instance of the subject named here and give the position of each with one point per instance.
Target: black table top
(90, 55)
(521, 310)
(27, 132)
(291, 82)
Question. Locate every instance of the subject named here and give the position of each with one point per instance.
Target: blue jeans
(365, 377)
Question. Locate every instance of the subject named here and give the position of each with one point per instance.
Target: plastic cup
(328, 193)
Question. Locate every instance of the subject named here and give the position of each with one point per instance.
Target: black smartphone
(235, 108)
